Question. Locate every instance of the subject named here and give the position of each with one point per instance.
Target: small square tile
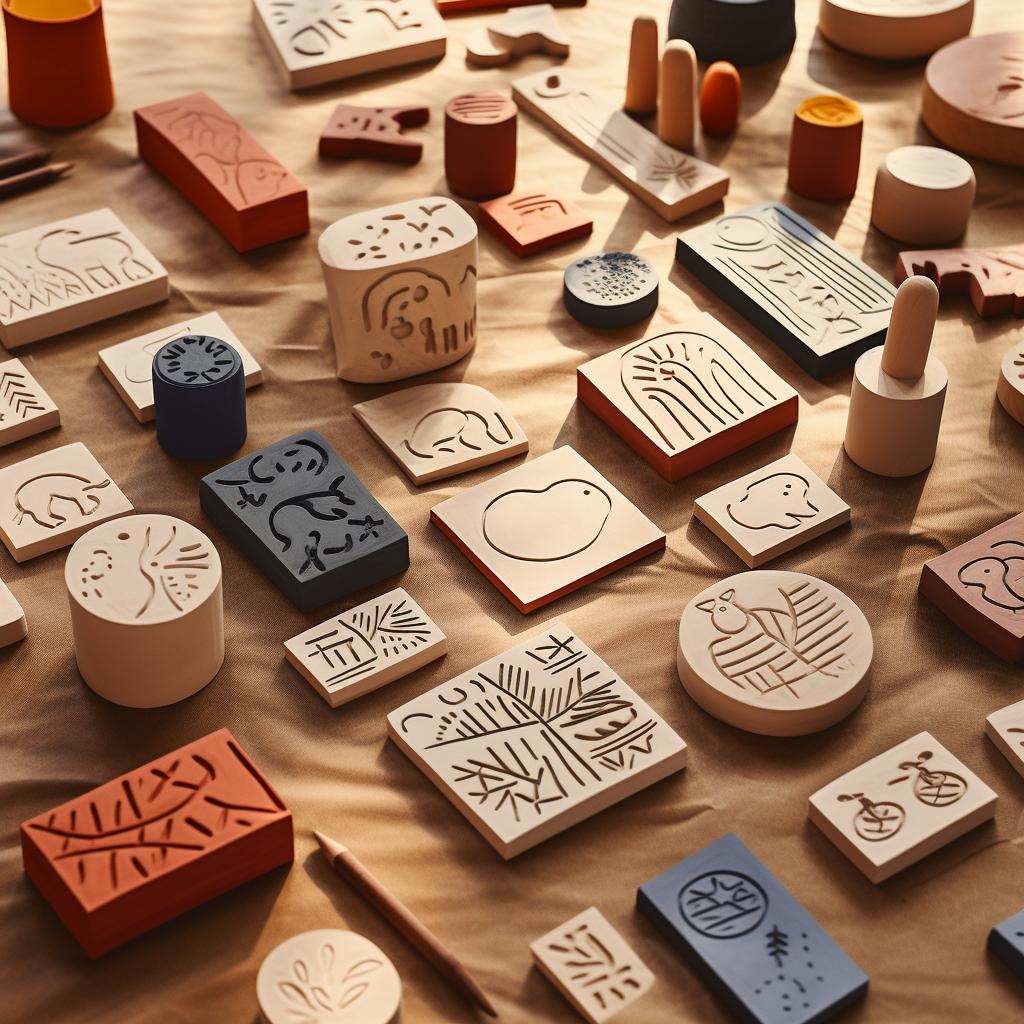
(546, 528)
(771, 511)
(901, 806)
(1005, 728)
(50, 500)
(25, 408)
(531, 222)
(366, 647)
(592, 965)
(128, 365)
(1006, 941)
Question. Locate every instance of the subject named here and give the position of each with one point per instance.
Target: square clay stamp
(1005, 728)
(771, 511)
(546, 528)
(25, 408)
(531, 222)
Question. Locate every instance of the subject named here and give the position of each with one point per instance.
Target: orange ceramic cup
(57, 69)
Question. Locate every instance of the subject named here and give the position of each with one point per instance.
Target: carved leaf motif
(208, 135)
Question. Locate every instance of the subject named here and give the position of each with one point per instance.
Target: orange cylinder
(58, 74)
(824, 149)
(720, 98)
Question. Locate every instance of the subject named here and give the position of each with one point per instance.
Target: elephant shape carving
(40, 498)
(96, 262)
(446, 431)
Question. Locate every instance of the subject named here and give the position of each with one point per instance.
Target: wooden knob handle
(909, 337)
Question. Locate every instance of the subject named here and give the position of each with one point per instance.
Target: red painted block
(145, 847)
(230, 178)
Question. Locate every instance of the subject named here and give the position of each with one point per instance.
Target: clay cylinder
(677, 95)
(199, 398)
(146, 609)
(894, 31)
(824, 148)
(642, 73)
(480, 145)
(923, 195)
(721, 96)
(745, 32)
(58, 73)
(1010, 389)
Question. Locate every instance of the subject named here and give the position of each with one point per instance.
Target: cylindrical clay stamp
(146, 609)
(199, 398)
(824, 148)
(480, 145)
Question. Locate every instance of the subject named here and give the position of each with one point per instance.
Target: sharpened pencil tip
(329, 847)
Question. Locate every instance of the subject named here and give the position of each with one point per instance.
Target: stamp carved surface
(25, 408)
(1005, 728)
(993, 277)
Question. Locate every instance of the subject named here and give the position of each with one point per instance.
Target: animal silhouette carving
(776, 500)
(263, 472)
(40, 498)
(95, 261)
(446, 431)
(771, 649)
(1000, 579)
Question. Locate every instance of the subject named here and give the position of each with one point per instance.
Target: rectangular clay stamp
(821, 305)
(366, 647)
(248, 196)
(546, 528)
(299, 512)
(980, 586)
(771, 511)
(25, 408)
(1005, 728)
(900, 806)
(592, 965)
(743, 932)
(534, 221)
(73, 272)
(316, 41)
(13, 626)
(147, 846)
(687, 397)
(536, 740)
(128, 365)
(1006, 941)
(48, 501)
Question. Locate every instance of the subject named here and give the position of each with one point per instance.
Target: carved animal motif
(97, 262)
(777, 500)
(323, 24)
(1000, 580)
(446, 431)
(41, 498)
(263, 472)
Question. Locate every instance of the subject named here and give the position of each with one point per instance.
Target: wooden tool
(24, 161)
(344, 863)
(33, 178)
(642, 71)
(677, 94)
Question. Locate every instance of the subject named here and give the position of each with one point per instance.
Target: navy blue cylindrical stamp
(199, 398)
(611, 289)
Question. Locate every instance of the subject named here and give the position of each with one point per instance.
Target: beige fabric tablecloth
(920, 937)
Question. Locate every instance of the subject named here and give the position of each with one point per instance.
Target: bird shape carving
(1000, 579)
(549, 524)
(778, 500)
(448, 431)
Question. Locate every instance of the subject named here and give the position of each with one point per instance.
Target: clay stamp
(776, 653)
(328, 975)
(435, 431)
(128, 365)
(819, 304)
(669, 181)
(642, 69)
(750, 32)
(316, 41)
(1005, 728)
(1010, 387)
(146, 609)
(480, 135)
(972, 99)
(546, 528)
(13, 626)
(530, 222)
(298, 511)
(740, 929)
(1006, 941)
(771, 511)
(247, 195)
(48, 501)
(721, 97)
(824, 148)
(592, 965)
(894, 29)
(536, 740)
(687, 397)
(25, 408)
(610, 289)
(980, 586)
(517, 33)
(366, 647)
(374, 132)
(155, 842)
(993, 278)
(401, 289)
(900, 806)
(73, 272)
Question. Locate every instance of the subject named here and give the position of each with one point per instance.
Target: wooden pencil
(32, 179)
(23, 161)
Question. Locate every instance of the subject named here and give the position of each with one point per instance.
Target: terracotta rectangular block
(546, 528)
(73, 272)
(822, 306)
(536, 740)
(687, 397)
(48, 501)
(25, 408)
(534, 221)
(775, 509)
(230, 178)
(128, 365)
(316, 41)
(992, 278)
(147, 846)
(900, 806)
(13, 626)
(366, 647)
(1005, 728)
(980, 586)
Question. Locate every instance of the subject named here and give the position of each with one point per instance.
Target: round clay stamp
(480, 144)
(199, 398)
(775, 653)
(1010, 389)
(146, 609)
(824, 148)
(894, 29)
(328, 976)
(611, 289)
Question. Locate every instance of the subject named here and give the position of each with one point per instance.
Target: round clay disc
(894, 29)
(328, 976)
(611, 289)
(776, 653)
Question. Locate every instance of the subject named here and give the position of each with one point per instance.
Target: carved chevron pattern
(17, 393)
